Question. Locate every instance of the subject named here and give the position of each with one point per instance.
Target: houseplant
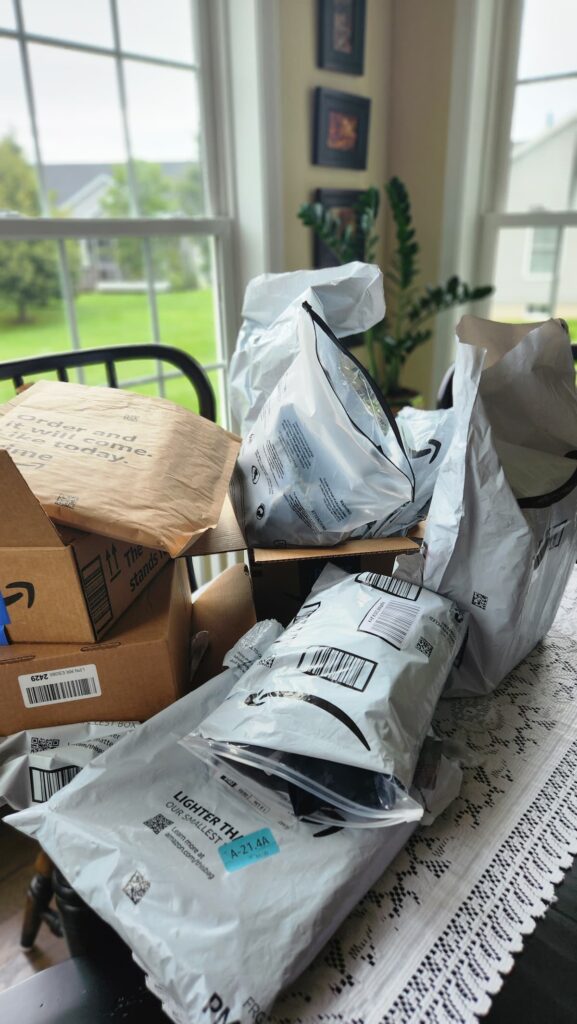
(410, 307)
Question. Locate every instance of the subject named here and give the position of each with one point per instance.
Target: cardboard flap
(225, 609)
(226, 535)
(380, 545)
(23, 522)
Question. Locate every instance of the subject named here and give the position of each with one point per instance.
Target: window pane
(111, 295)
(185, 306)
(145, 28)
(164, 130)
(525, 292)
(542, 107)
(544, 250)
(548, 38)
(78, 118)
(14, 120)
(32, 318)
(541, 174)
(69, 19)
(7, 19)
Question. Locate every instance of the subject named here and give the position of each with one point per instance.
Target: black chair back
(61, 362)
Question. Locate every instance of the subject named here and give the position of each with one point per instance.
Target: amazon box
(59, 585)
(141, 667)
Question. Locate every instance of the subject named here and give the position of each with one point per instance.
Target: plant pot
(400, 397)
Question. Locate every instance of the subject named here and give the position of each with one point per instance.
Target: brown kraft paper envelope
(120, 464)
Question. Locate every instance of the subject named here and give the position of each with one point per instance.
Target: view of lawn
(186, 321)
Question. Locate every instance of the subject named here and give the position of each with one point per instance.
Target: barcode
(337, 666)
(398, 588)
(391, 619)
(45, 782)
(96, 593)
(64, 689)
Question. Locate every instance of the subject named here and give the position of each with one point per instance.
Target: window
(544, 247)
(113, 228)
(510, 184)
(534, 222)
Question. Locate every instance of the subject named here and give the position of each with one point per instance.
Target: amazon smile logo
(257, 699)
(25, 590)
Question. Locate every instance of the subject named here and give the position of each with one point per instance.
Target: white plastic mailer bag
(501, 536)
(325, 457)
(36, 763)
(349, 297)
(341, 703)
(427, 434)
(223, 899)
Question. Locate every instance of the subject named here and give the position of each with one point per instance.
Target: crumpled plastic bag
(325, 458)
(223, 898)
(501, 534)
(349, 297)
(36, 763)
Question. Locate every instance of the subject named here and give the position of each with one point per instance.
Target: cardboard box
(225, 609)
(141, 667)
(283, 577)
(58, 584)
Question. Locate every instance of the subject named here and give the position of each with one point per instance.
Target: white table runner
(431, 941)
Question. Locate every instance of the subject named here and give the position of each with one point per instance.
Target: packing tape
(4, 621)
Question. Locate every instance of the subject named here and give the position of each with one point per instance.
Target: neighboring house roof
(521, 149)
(69, 182)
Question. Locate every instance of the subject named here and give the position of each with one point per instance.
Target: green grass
(186, 321)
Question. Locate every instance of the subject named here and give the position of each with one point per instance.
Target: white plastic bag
(501, 535)
(222, 901)
(325, 457)
(349, 297)
(353, 681)
(37, 763)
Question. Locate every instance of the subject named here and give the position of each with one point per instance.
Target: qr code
(424, 646)
(67, 500)
(39, 743)
(136, 887)
(158, 823)
(479, 600)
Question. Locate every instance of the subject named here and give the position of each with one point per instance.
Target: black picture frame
(340, 129)
(341, 35)
(337, 199)
(341, 201)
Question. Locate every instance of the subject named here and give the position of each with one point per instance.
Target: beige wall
(422, 34)
(408, 58)
(299, 78)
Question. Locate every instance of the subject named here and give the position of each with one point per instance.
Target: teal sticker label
(248, 849)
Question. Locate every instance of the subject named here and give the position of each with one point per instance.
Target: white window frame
(237, 56)
(486, 50)
(533, 245)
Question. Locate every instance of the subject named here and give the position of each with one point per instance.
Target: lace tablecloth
(432, 940)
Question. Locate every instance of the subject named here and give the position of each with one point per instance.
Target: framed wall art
(341, 35)
(340, 129)
(341, 203)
